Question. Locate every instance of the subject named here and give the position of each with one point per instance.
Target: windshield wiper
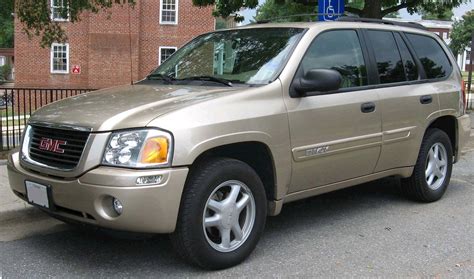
(166, 78)
(210, 78)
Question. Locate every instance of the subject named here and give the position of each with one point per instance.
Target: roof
(340, 24)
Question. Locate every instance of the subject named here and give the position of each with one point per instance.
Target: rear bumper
(87, 199)
(464, 132)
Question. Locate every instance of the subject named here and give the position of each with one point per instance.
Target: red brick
(100, 44)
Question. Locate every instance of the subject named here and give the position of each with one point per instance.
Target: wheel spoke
(431, 155)
(436, 151)
(442, 163)
(430, 179)
(215, 205)
(212, 221)
(237, 232)
(242, 203)
(234, 193)
(225, 237)
(429, 169)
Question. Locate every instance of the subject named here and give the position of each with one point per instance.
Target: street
(368, 230)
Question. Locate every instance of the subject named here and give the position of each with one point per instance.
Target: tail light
(463, 99)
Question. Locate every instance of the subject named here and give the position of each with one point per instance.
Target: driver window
(338, 50)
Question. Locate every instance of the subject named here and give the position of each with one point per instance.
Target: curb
(3, 162)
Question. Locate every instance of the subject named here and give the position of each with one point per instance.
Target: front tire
(432, 172)
(222, 214)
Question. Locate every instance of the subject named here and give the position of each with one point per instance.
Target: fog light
(118, 207)
(147, 180)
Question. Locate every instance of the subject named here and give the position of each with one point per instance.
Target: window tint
(431, 55)
(338, 50)
(411, 71)
(389, 62)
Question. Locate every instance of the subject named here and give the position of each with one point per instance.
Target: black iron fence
(16, 106)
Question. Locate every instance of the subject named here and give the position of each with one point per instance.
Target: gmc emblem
(52, 145)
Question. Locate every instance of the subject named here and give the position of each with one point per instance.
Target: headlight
(138, 149)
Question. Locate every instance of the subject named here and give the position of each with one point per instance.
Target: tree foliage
(362, 8)
(461, 34)
(35, 15)
(437, 14)
(6, 24)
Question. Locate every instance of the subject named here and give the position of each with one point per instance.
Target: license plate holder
(38, 194)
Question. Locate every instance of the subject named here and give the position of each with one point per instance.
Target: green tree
(6, 24)
(36, 19)
(461, 34)
(362, 8)
(437, 14)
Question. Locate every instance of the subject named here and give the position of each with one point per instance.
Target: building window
(168, 11)
(165, 53)
(57, 7)
(2, 60)
(60, 58)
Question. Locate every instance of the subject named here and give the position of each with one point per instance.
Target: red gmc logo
(52, 145)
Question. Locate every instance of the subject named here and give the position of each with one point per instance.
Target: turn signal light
(155, 151)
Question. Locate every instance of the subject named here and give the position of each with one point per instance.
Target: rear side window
(411, 71)
(431, 55)
(389, 61)
(338, 50)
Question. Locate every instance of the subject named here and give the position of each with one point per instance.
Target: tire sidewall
(435, 136)
(204, 253)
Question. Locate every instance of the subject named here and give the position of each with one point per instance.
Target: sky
(458, 12)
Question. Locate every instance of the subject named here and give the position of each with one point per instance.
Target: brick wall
(100, 45)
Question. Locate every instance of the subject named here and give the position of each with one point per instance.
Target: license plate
(37, 194)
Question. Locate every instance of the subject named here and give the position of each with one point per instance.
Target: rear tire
(222, 214)
(432, 171)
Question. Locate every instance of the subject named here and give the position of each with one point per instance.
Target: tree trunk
(372, 9)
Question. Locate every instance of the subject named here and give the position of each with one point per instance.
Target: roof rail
(382, 21)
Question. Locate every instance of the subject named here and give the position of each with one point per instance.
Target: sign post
(330, 10)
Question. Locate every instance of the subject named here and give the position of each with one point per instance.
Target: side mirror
(318, 81)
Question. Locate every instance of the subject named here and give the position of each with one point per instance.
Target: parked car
(239, 122)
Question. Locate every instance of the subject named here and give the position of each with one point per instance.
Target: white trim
(58, 19)
(176, 16)
(164, 47)
(3, 60)
(52, 56)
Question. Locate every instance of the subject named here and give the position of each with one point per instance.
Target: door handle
(426, 99)
(367, 107)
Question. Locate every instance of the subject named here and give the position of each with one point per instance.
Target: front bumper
(464, 132)
(87, 199)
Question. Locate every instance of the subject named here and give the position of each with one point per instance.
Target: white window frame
(53, 71)
(164, 47)
(176, 17)
(52, 12)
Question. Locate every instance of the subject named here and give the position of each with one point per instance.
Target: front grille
(73, 147)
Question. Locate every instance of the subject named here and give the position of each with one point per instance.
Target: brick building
(99, 45)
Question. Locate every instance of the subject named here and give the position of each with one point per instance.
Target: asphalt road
(368, 230)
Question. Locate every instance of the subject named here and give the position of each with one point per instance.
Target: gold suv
(238, 122)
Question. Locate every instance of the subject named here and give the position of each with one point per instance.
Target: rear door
(408, 101)
(335, 136)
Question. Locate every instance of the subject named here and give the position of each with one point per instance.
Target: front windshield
(248, 56)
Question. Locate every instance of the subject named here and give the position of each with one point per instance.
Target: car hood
(124, 106)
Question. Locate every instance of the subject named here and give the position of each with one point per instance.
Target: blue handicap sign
(330, 9)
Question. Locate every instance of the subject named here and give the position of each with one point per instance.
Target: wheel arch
(254, 153)
(447, 124)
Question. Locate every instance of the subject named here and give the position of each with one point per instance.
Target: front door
(336, 136)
